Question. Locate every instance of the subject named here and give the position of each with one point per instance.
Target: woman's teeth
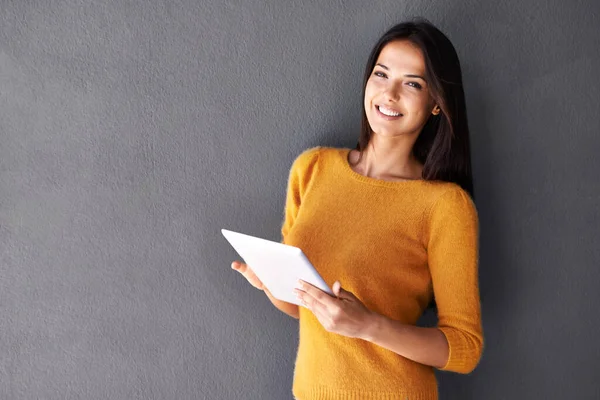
(388, 112)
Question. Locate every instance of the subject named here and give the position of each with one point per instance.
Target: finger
(240, 267)
(324, 318)
(341, 293)
(253, 279)
(248, 274)
(257, 285)
(336, 288)
(320, 309)
(302, 297)
(323, 314)
(310, 302)
(316, 293)
(237, 265)
(243, 269)
(314, 303)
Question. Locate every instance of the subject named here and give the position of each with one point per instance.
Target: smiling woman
(390, 225)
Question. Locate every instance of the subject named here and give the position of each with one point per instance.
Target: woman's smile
(388, 113)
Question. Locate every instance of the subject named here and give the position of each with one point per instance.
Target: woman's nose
(392, 92)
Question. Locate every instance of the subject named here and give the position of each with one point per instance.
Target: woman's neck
(388, 159)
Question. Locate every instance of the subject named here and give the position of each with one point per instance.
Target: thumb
(339, 292)
(337, 286)
(342, 293)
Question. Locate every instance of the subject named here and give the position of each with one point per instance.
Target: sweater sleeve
(453, 262)
(299, 177)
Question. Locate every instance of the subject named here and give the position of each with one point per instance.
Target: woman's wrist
(373, 326)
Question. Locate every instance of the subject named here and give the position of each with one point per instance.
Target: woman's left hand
(344, 314)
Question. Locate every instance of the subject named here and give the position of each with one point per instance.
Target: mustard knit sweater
(392, 244)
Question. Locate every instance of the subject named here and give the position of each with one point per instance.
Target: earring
(436, 111)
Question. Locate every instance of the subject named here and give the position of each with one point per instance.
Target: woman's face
(397, 99)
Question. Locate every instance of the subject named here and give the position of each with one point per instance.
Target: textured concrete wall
(132, 131)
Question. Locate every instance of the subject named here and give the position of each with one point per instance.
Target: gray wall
(132, 132)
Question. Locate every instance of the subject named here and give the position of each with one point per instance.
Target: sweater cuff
(464, 351)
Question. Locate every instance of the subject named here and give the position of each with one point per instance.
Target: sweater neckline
(344, 155)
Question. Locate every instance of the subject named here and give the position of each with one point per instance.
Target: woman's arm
(346, 315)
(424, 345)
(452, 237)
(288, 308)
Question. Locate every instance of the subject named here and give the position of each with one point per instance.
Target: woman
(392, 223)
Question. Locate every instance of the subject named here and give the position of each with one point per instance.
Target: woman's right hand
(248, 274)
(290, 309)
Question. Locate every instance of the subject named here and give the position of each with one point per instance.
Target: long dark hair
(443, 144)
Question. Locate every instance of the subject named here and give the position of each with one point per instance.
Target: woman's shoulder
(442, 188)
(312, 155)
(318, 150)
(449, 197)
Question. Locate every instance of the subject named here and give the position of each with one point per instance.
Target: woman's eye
(415, 85)
(380, 74)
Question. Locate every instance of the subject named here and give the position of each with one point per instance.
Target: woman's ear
(436, 110)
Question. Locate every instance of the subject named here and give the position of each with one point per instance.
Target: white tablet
(277, 265)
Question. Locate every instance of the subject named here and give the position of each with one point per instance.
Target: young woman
(393, 224)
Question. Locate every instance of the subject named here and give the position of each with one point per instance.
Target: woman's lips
(388, 114)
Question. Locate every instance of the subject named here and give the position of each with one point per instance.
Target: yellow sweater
(392, 244)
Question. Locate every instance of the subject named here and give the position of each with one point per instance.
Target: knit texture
(392, 244)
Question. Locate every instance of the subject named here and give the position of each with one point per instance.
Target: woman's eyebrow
(407, 75)
(415, 76)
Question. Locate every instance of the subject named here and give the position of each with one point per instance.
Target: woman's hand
(344, 314)
(248, 274)
(288, 308)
